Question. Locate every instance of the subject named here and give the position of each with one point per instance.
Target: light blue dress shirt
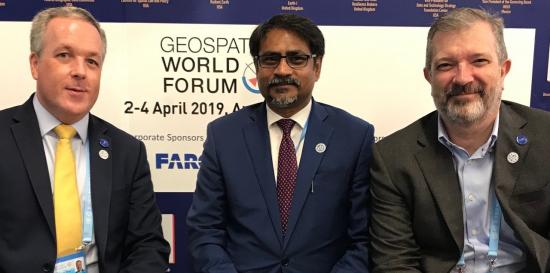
(474, 174)
(47, 122)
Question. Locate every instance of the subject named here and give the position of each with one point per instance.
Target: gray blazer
(417, 222)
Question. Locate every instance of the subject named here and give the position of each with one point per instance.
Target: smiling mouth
(465, 90)
(458, 94)
(76, 89)
(281, 88)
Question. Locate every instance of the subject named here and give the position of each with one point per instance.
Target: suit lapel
(29, 141)
(317, 132)
(100, 181)
(436, 163)
(256, 136)
(505, 174)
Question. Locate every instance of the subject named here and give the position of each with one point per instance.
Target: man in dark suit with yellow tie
(72, 186)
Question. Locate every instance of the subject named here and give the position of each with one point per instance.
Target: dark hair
(300, 25)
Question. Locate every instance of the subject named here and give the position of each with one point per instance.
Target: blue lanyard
(302, 136)
(494, 234)
(87, 214)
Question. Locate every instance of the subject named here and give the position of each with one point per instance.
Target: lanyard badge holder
(494, 234)
(76, 262)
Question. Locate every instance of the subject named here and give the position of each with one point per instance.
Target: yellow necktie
(68, 219)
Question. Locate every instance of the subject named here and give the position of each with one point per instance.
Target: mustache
(283, 80)
(470, 88)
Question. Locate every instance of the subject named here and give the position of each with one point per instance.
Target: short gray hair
(41, 20)
(461, 18)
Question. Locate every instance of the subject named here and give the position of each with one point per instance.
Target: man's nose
(464, 74)
(283, 68)
(78, 69)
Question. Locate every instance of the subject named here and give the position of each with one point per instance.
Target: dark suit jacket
(234, 223)
(417, 222)
(126, 219)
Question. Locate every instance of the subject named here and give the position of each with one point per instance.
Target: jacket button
(47, 267)
(285, 262)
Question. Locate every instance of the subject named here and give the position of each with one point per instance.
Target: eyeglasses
(295, 61)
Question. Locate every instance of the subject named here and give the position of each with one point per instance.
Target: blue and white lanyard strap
(302, 136)
(494, 234)
(87, 214)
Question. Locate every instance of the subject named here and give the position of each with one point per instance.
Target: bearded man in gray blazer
(465, 188)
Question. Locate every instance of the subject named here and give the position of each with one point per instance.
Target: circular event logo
(249, 79)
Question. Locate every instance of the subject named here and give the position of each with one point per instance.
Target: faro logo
(171, 161)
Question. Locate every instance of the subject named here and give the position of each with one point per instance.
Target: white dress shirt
(276, 133)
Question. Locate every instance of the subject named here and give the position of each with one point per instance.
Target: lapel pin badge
(320, 148)
(104, 143)
(521, 139)
(512, 157)
(103, 154)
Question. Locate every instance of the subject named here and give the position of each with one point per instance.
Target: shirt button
(471, 197)
(474, 231)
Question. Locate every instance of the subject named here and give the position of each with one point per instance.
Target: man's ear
(427, 75)
(317, 64)
(33, 61)
(505, 68)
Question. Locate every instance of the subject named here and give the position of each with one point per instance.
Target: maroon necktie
(286, 171)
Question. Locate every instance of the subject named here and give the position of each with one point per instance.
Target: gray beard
(460, 115)
(282, 103)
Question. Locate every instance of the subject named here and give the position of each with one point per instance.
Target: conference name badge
(72, 263)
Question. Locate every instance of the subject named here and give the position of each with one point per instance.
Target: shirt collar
(47, 122)
(444, 138)
(300, 117)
